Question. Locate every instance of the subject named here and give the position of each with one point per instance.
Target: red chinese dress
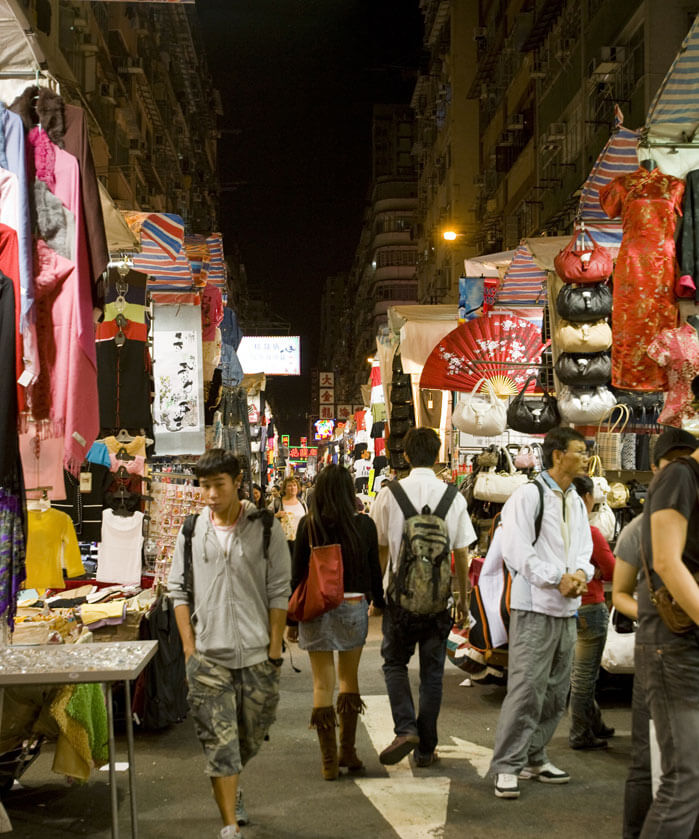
(678, 351)
(645, 272)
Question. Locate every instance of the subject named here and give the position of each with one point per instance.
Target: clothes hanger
(42, 504)
(123, 436)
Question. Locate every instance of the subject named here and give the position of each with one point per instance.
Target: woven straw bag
(609, 436)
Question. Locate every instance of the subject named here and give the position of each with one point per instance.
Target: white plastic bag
(617, 656)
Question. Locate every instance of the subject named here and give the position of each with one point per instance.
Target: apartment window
(395, 257)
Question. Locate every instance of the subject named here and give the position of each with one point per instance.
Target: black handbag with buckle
(580, 305)
(533, 415)
(584, 369)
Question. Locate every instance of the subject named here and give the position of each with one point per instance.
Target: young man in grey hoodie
(231, 626)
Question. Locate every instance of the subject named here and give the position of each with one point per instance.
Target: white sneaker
(547, 773)
(506, 786)
(230, 831)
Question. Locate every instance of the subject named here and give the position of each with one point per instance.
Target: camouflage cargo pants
(232, 710)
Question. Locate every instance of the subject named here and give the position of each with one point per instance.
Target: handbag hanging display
(498, 486)
(585, 304)
(584, 265)
(533, 416)
(603, 518)
(609, 436)
(482, 416)
(599, 482)
(584, 369)
(583, 337)
(584, 407)
(323, 587)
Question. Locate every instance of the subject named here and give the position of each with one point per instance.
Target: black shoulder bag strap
(190, 523)
(540, 512)
(442, 508)
(401, 497)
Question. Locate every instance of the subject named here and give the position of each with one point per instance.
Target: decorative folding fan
(496, 347)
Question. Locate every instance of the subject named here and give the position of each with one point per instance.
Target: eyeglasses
(582, 452)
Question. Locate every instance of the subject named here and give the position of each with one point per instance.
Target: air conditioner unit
(515, 122)
(550, 145)
(505, 139)
(609, 62)
(108, 92)
(615, 54)
(557, 131)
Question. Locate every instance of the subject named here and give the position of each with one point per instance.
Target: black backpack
(422, 584)
(190, 523)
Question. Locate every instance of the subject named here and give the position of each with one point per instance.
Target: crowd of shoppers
(246, 557)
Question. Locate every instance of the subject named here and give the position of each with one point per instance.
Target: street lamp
(450, 235)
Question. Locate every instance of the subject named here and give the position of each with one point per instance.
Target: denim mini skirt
(344, 628)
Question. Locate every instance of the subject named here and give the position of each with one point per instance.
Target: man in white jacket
(548, 576)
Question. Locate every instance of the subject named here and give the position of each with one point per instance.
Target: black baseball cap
(673, 438)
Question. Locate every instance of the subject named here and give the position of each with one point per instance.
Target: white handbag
(498, 486)
(600, 483)
(603, 518)
(617, 656)
(585, 407)
(479, 415)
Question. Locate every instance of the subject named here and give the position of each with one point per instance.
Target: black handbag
(645, 406)
(587, 304)
(583, 369)
(401, 412)
(401, 395)
(533, 416)
(400, 427)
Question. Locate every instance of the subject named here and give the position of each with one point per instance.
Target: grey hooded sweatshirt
(234, 589)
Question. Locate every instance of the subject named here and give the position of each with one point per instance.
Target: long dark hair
(333, 513)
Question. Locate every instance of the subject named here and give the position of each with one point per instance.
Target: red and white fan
(495, 347)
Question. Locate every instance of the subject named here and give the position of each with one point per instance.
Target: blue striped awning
(674, 113)
(618, 157)
(524, 283)
(166, 230)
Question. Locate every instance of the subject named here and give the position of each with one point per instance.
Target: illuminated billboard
(273, 355)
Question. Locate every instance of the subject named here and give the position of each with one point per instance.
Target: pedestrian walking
(404, 629)
(549, 573)
(229, 584)
(333, 519)
(587, 729)
(669, 658)
(289, 509)
(638, 795)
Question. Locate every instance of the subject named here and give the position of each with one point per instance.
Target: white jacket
(537, 569)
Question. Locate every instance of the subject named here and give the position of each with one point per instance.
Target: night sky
(298, 79)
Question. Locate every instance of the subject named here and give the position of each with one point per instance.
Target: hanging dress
(645, 272)
(678, 351)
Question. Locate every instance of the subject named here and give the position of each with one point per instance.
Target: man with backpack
(549, 573)
(420, 521)
(229, 584)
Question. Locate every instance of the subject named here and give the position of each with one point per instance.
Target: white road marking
(416, 808)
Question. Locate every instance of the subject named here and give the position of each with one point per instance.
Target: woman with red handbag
(333, 520)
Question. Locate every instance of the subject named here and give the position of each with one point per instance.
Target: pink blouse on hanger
(74, 396)
(678, 351)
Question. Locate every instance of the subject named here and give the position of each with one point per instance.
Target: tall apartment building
(383, 269)
(139, 71)
(549, 74)
(446, 147)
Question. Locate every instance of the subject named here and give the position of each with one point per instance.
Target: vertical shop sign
(344, 412)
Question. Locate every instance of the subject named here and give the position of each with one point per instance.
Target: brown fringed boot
(324, 722)
(349, 707)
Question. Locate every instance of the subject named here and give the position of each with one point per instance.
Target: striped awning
(218, 273)
(674, 113)
(165, 230)
(524, 283)
(161, 269)
(618, 157)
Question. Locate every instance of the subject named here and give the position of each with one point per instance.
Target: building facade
(548, 77)
(139, 71)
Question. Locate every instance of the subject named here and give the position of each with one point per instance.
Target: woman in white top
(289, 509)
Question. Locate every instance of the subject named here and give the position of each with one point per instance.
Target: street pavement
(287, 798)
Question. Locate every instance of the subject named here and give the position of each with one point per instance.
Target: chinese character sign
(327, 396)
(326, 379)
(327, 412)
(344, 412)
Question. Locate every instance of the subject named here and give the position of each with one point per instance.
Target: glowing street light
(450, 235)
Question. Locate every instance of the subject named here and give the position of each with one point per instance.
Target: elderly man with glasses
(549, 573)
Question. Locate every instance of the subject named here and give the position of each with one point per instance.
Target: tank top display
(119, 555)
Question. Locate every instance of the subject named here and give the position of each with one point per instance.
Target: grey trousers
(538, 677)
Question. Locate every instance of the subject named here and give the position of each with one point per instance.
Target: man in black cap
(671, 444)
(670, 661)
